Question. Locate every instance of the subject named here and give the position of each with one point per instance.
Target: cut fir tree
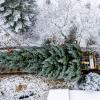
(19, 14)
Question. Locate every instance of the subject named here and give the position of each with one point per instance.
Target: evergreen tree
(19, 14)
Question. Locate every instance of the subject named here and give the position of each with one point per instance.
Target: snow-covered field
(27, 87)
(31, 87)
(56, 17)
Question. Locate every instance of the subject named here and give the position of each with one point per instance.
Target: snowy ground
(26, 87)
(56, 17)
(31, 87)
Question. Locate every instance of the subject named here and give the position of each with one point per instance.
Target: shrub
(90, 81)
(20, 15)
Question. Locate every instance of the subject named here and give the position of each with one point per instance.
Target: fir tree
(19, 14)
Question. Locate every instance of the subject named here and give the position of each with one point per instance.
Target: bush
(90, 81)
(20, 15)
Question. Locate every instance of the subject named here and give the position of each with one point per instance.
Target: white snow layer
(58, 16)
(35, 88)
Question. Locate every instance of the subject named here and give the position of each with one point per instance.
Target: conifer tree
(19, 14)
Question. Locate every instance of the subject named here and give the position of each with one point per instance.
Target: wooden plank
(84, 95)
(84, 71)
(14, 73)
(59, 94)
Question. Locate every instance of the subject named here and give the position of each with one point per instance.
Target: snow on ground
(56, 17)
(25, 88)
(31, 87)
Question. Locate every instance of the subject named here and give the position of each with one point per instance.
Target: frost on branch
(19, 14)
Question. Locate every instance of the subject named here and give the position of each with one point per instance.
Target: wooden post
(92, 64)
